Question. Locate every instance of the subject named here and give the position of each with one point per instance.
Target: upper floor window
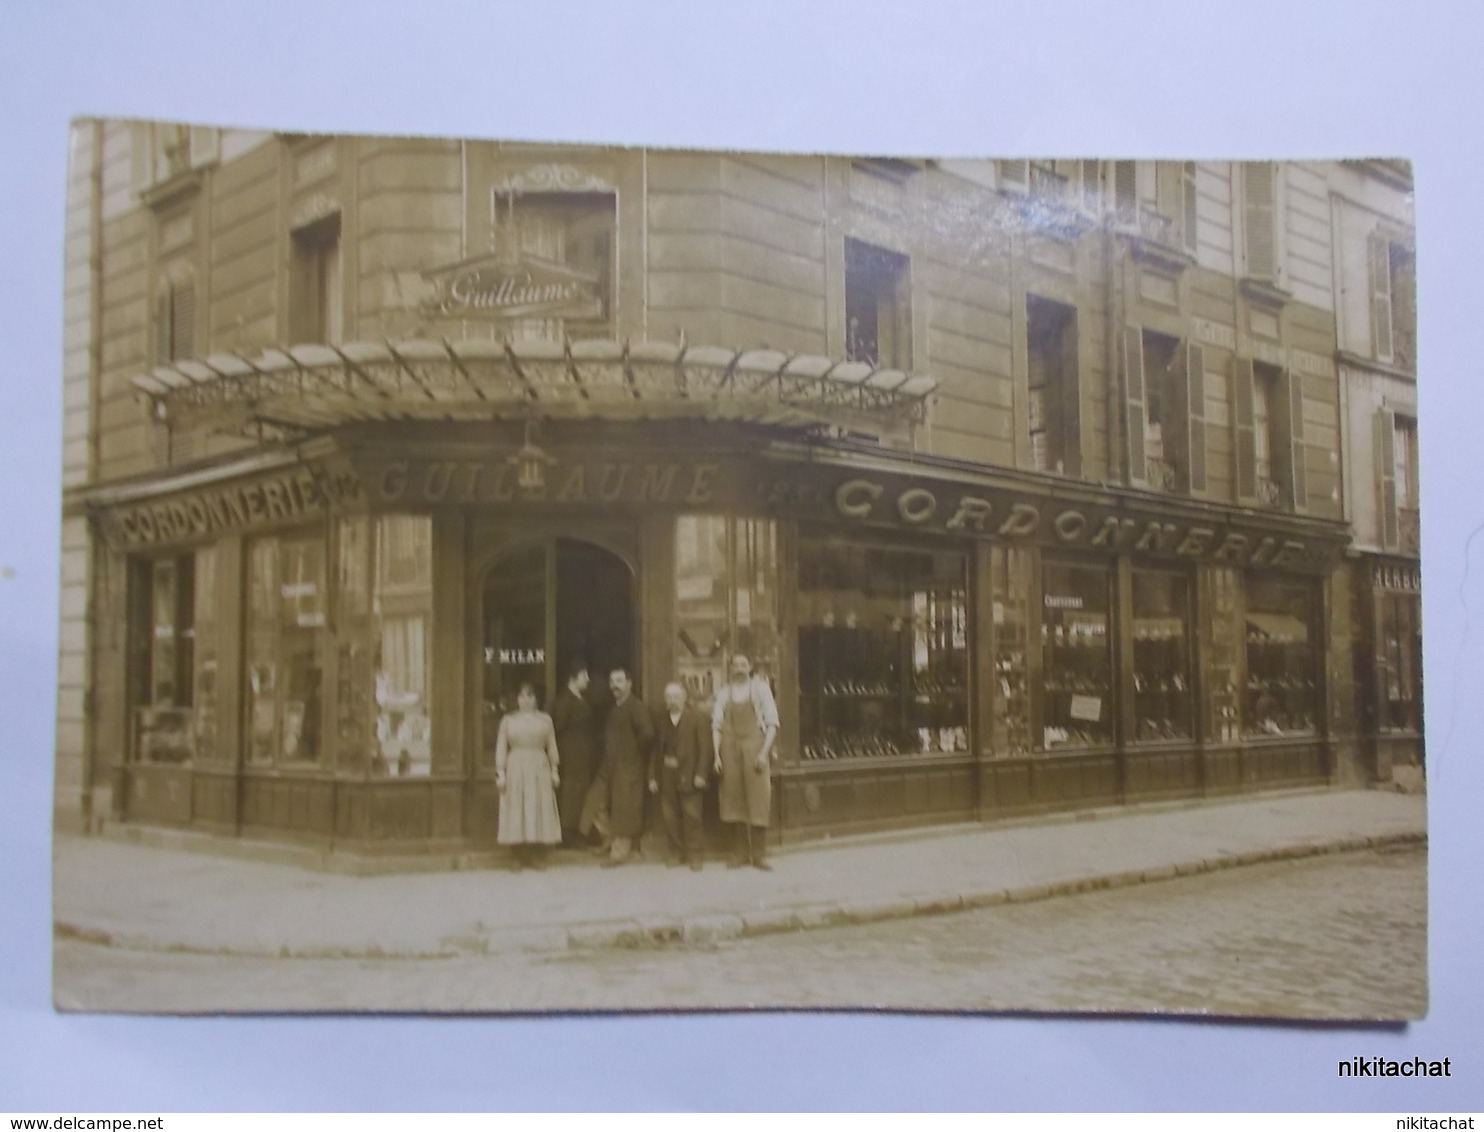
(1176, 202)
(1159, 360)
(1260, 219)
(571, 234)
(175, 320)
(1393, 285)
(163, 151)
(1268, 434)
(316, 287)
(1395, 445)
(1073, 183)
(1051, 370)
(878, 323)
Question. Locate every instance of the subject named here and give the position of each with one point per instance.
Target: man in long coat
(678, 763)
(628, 734)
(577, 740)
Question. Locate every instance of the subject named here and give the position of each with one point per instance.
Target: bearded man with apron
(744, 726)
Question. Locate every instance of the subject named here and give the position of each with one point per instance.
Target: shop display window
(164, 630)
(1400, 662)
(203, 646)
(1225, 652)
(353, 645)
(883, 651)
(285, 650)
(1076, 657)
(726, 600)
(402, 605)
(1011, 725)
(1163, 698)
(1282, 694)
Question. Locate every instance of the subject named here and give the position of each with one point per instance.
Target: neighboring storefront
(320, 640)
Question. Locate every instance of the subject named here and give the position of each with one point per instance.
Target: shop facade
(1026, 497)
(323, 651)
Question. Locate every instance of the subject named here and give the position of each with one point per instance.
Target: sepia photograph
(511, 577)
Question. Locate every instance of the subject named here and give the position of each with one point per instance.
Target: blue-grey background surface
(1258, 79)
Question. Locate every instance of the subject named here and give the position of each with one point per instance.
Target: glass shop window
(1401, 662)
(1282, 694)
(1011, 724)
(285, 650)
(883, 651)
(403, 609)
(164, 659)
(1076, 657)
(1163, 700)
(726, 600)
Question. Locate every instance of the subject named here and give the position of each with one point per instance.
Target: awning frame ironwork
(312, 387)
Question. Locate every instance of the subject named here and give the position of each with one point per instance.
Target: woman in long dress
(526, 762)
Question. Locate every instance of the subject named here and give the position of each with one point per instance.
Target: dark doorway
(546, 608)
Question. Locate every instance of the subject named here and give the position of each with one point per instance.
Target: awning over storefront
(309, 388)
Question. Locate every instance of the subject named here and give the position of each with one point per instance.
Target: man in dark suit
(628, 734)
(677, 773)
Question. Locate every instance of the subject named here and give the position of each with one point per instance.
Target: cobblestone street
(1340, 936)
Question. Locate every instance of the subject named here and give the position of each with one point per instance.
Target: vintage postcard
(516, 577)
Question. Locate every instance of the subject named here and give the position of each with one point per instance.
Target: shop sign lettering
(306, 493)
(443, 482)
(500, 287)
(515, 656)
(999, 515)
(1397, 578)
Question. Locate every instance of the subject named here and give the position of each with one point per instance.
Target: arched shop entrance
(545, 607)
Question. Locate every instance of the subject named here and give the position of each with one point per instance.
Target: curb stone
(487, 940)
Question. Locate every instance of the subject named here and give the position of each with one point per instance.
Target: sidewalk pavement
(138, 897)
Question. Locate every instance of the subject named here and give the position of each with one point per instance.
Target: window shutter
(1245, 444)
(1126, 191)
(1195, 387)
(1071, 400)
(164, 308)
(1133, 369)
(1015, 176)
(1259, 218)
(1091, 187)
(141, 155)
(1381, 324)
(1188, 210)
(1291, 457)
(1384, 455)
(183, 320)
(205, 145)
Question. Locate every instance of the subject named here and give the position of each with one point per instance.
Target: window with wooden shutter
(1403, 305)
(1126, 191)
(1133, 381)
(1381, 313)
(205, 142)
(182, 320)
(141, 152)
(1245, 442)
(1091, 186)
(1014, 175)
(1384, 458)
(1260, 218)
(1189, 234)
(1194, 385)
(1290, 451)
(1054, 393)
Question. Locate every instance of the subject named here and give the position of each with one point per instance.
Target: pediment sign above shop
(304, 492)
(502, 287)
(1003, 513)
